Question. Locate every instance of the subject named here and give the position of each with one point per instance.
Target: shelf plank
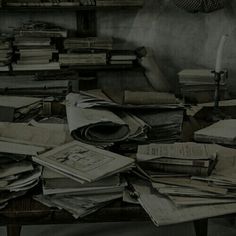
(71, 8)
(80, 69)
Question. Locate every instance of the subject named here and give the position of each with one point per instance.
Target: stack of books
(82, 178)
(122, 57)
(198, 85)
(88, 43)
(177, 158)
(85, 51)
(88, 59)
(173, 198)
(5, 53)
(34, 53)
(34, 48)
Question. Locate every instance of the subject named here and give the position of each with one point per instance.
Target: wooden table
(26, 211)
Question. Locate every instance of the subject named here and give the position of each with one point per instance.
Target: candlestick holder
(218, 114)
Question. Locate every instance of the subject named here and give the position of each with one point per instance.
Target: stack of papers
(166, 125)
(13, 108)
(148, 98)
(18, 174)
(176, 199)
(222, 132)
(18, 143)
(81, 178)
(162, 211)
(182, 158)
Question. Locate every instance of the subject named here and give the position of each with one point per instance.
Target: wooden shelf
(71, 8)
(79, 69)
(105, 67)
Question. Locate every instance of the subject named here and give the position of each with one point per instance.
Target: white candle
(219, 55)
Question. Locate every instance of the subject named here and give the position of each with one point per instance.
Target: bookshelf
(86, 26)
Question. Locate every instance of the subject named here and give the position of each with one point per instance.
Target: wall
(179, 39)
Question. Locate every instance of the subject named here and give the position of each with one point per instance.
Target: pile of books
(72, 44)
(77, 59)
(81, 178)
(177, 158)
(18, 173)
(122, 57)
(198, 85)
(174, 197)
(34, 53)
(5, 53)
(85, 51)
(18, 109)
(79, 199)
(34, 48)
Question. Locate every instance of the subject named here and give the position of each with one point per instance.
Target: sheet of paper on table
(163, 212)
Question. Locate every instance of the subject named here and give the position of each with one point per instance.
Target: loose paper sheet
(163, 212)
(190, 151)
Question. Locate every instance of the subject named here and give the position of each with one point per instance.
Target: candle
(219, 55)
